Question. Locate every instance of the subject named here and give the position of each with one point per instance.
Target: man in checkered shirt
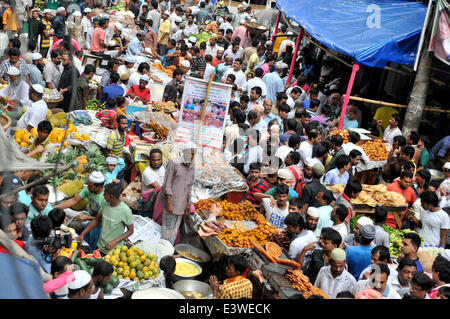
(14, 60)
(236, 286)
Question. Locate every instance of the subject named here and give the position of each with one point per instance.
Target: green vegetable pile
(202, 37)
(94, 105)
(395, 238)
(119, 7)
(95, 162)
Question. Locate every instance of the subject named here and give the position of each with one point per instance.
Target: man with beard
(329, 239)
(255, 183)
(176, 191)
(53, 70)
(38, 110)
(301, 237)
(312, 218)
(36, 68)
(335, 278)
(153, 175)
(69, 76)
(401, 280)
(17, 88)
(100, 276)
(378, 280)
(312, 188)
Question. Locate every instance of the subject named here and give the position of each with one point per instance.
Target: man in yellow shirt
(163, 33)
(10, 23)
(280, 37)
(383, 113)
(236, 286)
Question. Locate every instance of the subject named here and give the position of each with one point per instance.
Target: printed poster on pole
(193, 101)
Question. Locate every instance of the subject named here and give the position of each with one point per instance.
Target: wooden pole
(346, 98)
(199, 132)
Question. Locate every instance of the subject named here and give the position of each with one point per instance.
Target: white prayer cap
(309, 162)
(192, 39)
(284, 173)
(166, 12)
(111, 160)
(242, 21)
(119, 26)
(313, 212)
(446, 165)
(220, 49)
(364, 221)
(289, 33)
(240, 6)
(97, 177)
(36, 56)
(48, 11)
(281, 66)
(220, 20)
(189, 45)
(145, 78)
(87, 10)
(12, 70)
(186, 63)
(178, 19)
(77, 14)
(38, 88)
(186, 32)
(81, 279)
(269, 43)
(60, 9)
(130, 59)
(189, 145)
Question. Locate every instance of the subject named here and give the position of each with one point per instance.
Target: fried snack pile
(343, 133)
(301, 282)
(374, 195)
(239, 211)
(159, 129)
(204, 204)
(168, 70)
(375, 150)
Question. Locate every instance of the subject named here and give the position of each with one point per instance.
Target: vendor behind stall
(39, 144)
(117, 216)
(140, 92)
(38, 110)
(17, 88)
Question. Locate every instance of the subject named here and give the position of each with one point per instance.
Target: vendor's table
(368, 210)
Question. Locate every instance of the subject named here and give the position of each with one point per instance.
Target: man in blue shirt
(273, 81)
(39, 203)
(59, 25)
(135, 46)
(112, 90)
(339, 175)
(358, 257)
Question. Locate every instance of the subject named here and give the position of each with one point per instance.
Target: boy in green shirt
(113, 216)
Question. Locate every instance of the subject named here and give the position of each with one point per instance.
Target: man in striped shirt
(256, 184)
(46, 27)
(116, 141)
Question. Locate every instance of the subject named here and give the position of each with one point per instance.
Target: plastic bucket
(156, 91)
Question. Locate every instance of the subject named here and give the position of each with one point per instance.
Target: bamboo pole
(427, 108)
(199, 132)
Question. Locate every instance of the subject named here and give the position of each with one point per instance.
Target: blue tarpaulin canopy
(372, 32)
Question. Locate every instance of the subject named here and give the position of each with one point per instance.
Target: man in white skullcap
(59, 25)
(312, 218)
(140, 92)
(17, 88)
(186, 68)
(128, 67)
(113, 234)
(335, 278)
(176, 192)
(35, 69)
(94, 194)
(352, 239)
(36, 112)
(81, 286)
(238, 15)
(87, 27)
(287, 42)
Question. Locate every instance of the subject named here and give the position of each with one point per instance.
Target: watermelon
(114, 281)
(108, 289)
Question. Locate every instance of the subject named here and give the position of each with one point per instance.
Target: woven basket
(5, 121)
(53, 103)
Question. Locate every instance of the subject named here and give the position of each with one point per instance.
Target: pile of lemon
(81, 137)
(22, 137)
(133, 264)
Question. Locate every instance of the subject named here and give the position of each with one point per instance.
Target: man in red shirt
(10, 228)
(402, 186)
(256, 184)
(140, 92)
(98, 44)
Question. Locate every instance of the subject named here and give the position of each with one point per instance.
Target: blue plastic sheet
(20, 279)
(372, 32)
